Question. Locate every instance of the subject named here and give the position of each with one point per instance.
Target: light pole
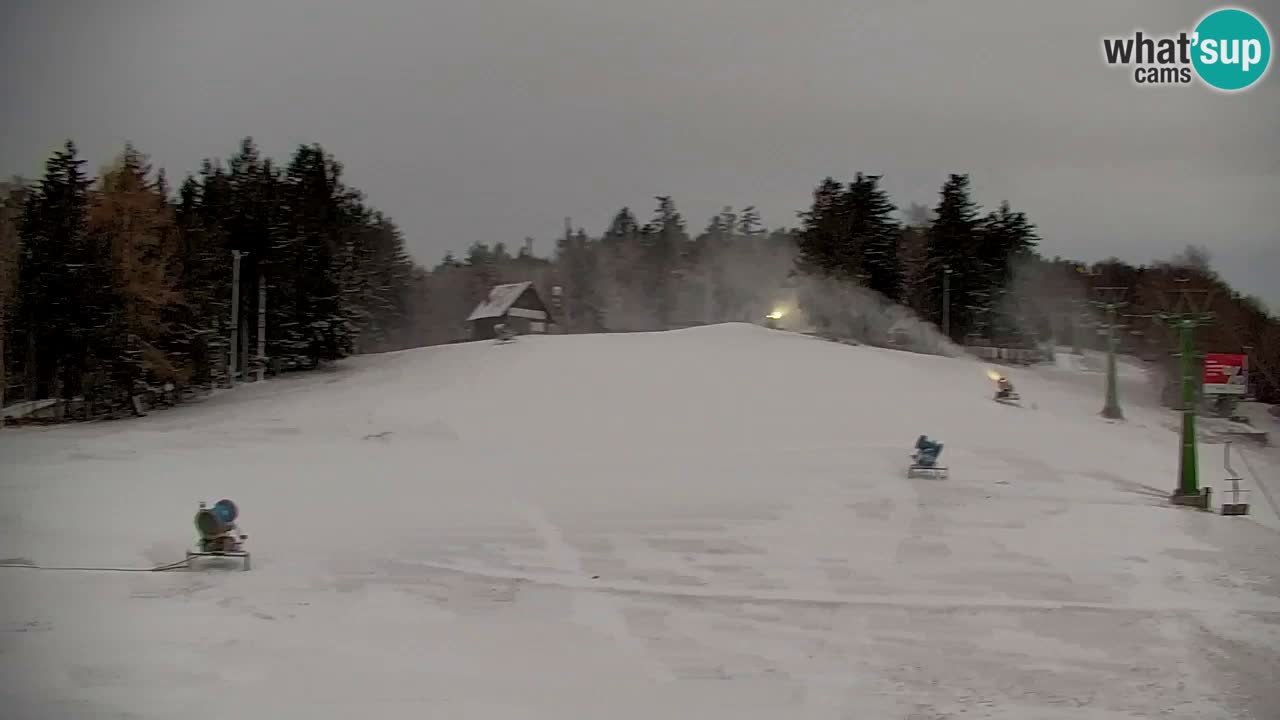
(1111, 408)
(235, 316)
(946, 301)
(707, 314)
(1248, 363)
(1077, 311)
(262, 323)
(557, 306)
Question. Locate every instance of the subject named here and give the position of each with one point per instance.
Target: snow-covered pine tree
(12, 198)
(875, 234)
(822, 232)
(953, 242)
(312, 323)
(621, 268)
(665, 243)
(1008, 239)
(62, 282)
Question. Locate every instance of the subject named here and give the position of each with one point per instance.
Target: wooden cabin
(516, 305)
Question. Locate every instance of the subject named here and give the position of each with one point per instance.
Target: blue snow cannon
(924, 461)
(219, 535)
(927, 451)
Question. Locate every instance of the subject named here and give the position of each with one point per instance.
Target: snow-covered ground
(710, 523)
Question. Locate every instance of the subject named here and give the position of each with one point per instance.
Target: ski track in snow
(595, 610)
(575, 581)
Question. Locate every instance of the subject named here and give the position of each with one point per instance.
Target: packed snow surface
(710, 523)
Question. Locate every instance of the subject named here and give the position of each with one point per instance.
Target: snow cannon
(924, 461)
(1004, 389)
(503, 334)
(218, 533)
(927, 451)
(771, 320)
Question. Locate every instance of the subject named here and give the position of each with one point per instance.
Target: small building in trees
(517, 306)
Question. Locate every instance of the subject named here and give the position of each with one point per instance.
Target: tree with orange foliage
(130, 213)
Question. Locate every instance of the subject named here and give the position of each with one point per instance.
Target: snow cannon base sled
(938, 472)
(924, 461)
(1008, 398)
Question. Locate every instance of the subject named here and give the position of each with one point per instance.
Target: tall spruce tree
(576, 261)
(63, 283)
(621, 267)
(710, 263)
(623, 227)
(204, 275)
(875, 235)
(823, 232)
(1008, 239)
(749, 225)
(953, 242)
(311, 323)
(665, 242)
(381, 282)
(483, 271)
(12, 198)
(254, 230)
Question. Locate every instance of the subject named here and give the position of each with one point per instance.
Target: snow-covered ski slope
(710, 523)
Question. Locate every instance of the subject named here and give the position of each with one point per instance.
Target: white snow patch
(711, 523)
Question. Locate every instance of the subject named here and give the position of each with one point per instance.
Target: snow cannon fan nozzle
(771, 320)
(217, 520)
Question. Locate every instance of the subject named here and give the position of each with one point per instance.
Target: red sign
(1226, 373)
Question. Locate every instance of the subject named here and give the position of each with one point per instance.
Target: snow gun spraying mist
(1004, 389)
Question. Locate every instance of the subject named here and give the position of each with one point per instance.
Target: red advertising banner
(1226, 374)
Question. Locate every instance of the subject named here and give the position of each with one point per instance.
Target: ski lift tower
(1190, 309)
(1110, 300)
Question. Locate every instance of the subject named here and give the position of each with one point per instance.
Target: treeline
(850, 261)
(854, 269)
(117, 287)
(635, 276)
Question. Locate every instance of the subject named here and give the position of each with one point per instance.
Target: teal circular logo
(1232, 49)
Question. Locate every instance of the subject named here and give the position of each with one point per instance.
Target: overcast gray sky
(490, 120)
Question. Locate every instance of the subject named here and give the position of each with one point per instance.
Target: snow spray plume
(756, 284)
(1048, 302)
(738, 280)
(846, 310)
